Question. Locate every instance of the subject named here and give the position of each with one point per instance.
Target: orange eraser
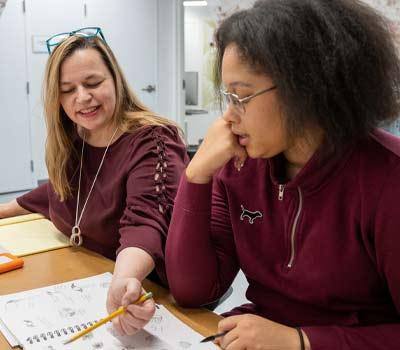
(9, 262)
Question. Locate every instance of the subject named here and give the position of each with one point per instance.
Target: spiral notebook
(42, 319)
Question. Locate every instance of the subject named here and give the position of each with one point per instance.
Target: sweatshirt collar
(317, 172)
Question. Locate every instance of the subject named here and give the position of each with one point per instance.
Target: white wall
(194, 39)
(15, 138)
(199, 28)
(200, 24)
(170, 59)
(44, 18)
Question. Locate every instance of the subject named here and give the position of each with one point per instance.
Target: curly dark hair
(334, 62)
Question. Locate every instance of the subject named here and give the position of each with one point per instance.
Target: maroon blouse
(132, 199)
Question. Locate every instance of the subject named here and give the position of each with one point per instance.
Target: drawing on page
(88, 336)
(29, 323)
(138, 341)
(156, 324)
(184, 344)
(69, 312)
(59, 297)
(76, 288)
(97, 345)
(13, 304)
(55, 314)
(82, 286)
(66, 312)
(53, 295)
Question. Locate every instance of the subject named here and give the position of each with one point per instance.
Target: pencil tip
(67, 341)
(205, 340)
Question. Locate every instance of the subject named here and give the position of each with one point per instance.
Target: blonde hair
(130, 113)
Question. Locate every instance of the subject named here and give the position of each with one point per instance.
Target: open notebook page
(44, 318)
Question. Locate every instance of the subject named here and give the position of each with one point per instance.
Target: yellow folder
(30, 234)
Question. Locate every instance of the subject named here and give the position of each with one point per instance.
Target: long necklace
(76, 236)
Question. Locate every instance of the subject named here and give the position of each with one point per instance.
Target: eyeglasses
(239, 103)
(88, 32)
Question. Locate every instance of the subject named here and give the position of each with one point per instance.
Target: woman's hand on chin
(218, 147)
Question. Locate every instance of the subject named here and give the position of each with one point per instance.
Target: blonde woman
(113, 168)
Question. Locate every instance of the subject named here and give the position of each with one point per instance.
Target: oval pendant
(76, 238)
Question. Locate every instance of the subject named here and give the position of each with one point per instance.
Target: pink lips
(243, 140)
(88, 112)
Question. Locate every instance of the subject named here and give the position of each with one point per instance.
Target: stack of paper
(44, 318)
(30, 234)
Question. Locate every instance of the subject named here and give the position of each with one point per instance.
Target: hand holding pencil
(124, 292)
(121, 310)
(129, 307)
(252, 332)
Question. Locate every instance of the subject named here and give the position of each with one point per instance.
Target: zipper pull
(281, 190)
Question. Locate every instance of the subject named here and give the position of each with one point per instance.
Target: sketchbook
(30, 234)
(42, 319)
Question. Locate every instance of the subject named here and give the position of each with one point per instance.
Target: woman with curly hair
(296, 184)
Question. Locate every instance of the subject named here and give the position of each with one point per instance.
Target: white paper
(42, 319)
(167, 327)
(2, 5)
(3, 250)
(8, 335)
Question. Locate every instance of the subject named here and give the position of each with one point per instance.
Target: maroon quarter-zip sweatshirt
(321, 251)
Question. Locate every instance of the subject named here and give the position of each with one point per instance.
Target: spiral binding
(42, 337)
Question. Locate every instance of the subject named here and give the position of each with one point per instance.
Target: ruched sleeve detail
(158, 158)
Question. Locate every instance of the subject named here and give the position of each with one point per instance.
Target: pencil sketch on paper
(97, 345)
(50, 347)
(185, 344)
(76, 288)
(42, 319)
(156, 324)
(28, 323)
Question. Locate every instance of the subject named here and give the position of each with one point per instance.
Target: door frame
(179, 59)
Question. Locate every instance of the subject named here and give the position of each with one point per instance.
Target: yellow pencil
(104, 320)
